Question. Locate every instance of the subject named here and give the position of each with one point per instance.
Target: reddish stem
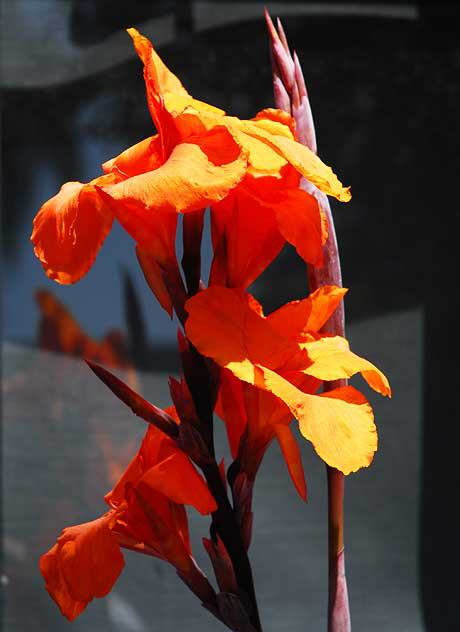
(291, 95)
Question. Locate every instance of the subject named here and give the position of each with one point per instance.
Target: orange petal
(299, 221)
(342, 433)
(188, 181)
(155, 447)
(263, 159)
(177, 478)
(142, 157)
(303, 159)
(239, 334)
(222, 326)
(163, 80)
(277, 122)
(85, 563)
(230, 408)
(333, 360)
(246, 239)
(177, 104)
(308, 315)
(70, 228)
(292, 457)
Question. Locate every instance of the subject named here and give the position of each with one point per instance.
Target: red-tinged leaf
(140, 406)
(222, 565)
(234, 613)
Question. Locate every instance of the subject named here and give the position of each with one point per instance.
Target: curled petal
(303, 159)
(177, 478)
(262, 158)
(277, 122)
(162, 79)
(70, 228)
(142, 157)
(84, 563)
(195, 175)
(299, 222)
(332, 360)
(309, 314)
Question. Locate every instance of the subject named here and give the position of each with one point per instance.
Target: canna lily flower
(147, 515)
(253, 418)
(274, 353)
(267, 208)
(198, 157)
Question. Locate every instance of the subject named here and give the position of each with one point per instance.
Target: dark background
(384, 87)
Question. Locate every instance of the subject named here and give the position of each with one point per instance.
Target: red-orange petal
(222, 326)
(307, 315)
(332, 360)
(84, 563)
(163, 80)
(70, 228)
(194, 176)
(239, 333)
(299, 221)
(177, 478)
(141, 157)
(230, 408)
(292, 457)
(246, 239)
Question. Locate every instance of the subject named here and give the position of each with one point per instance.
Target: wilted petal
(85, 563)
(333, 360)
(70, 228)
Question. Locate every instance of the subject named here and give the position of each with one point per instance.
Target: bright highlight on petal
(303, 159)
(223, 326)
(333, 360)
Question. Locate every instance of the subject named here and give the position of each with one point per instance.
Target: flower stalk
(291, 95)
(256, 371)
